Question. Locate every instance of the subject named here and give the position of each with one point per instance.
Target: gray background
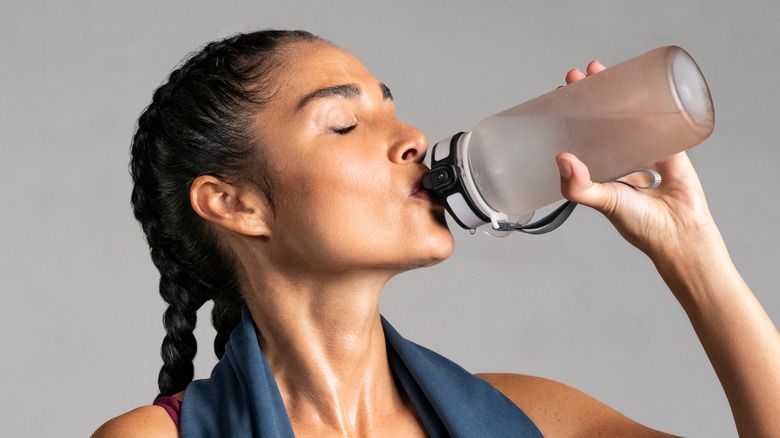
(80, 319)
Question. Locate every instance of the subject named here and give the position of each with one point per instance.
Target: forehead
(311, 66)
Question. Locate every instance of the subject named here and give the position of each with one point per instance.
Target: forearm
(673, 225)
(739, 338)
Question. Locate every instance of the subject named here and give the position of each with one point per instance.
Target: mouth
(419, 192)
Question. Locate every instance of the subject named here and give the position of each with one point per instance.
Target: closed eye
(343, 131)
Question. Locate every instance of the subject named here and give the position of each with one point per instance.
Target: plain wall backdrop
(80, 319)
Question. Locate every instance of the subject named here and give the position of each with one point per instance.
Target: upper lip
(418, 185)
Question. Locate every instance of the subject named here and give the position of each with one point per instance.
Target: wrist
(696, 267)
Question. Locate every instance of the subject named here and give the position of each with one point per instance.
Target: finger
(595, 67)
(574, 75)
(576, 185)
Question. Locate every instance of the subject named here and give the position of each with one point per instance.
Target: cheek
(343, 185)
(359, 203)
(355, 208)
(334, 197)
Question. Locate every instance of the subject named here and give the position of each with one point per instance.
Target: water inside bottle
(512, 158)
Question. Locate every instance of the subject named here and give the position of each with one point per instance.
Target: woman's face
(346, 173)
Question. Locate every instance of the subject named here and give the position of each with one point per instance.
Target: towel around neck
(241, 398)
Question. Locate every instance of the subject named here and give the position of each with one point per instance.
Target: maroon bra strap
(172, 405)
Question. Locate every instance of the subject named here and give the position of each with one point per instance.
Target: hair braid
(225, 316)
(199, 123)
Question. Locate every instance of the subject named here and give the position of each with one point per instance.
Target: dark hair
(199, 123)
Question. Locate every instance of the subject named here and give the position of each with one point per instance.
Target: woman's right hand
(669, 223)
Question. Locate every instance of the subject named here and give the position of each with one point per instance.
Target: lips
(419, 192)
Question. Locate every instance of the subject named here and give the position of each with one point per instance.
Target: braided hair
(199, 123)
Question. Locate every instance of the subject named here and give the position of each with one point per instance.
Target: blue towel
(241, 398)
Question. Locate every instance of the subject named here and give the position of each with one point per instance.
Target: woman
(270, 170)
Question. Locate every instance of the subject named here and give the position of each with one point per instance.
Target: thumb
(576, 185)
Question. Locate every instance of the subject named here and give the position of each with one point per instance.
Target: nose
(410, 144)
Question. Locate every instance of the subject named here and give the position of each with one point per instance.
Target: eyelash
(344, 131)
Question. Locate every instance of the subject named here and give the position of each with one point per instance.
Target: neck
(326, 347)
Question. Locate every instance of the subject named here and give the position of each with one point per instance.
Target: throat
(343, 390)
(326, 348)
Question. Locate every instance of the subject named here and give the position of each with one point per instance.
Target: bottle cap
(450, 182)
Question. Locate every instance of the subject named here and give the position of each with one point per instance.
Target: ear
(238, 209)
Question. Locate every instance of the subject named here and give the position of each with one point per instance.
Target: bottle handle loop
(556, 218)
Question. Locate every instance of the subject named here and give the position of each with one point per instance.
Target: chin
(441, 244)
(432, 262)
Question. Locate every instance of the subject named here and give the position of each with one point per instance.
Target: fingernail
(564, 167)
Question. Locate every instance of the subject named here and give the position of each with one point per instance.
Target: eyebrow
(386, 94)
(345, 90)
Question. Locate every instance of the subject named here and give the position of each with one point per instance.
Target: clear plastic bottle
(619, 120)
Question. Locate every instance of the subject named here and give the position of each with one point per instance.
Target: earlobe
(232, 207)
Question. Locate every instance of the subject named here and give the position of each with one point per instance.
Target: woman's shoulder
(560, 410)
(145, 421)
(141, 422)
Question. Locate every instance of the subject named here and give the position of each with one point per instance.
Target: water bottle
(621, 119)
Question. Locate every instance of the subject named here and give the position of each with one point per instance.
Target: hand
(663, 222)
(668, 221)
